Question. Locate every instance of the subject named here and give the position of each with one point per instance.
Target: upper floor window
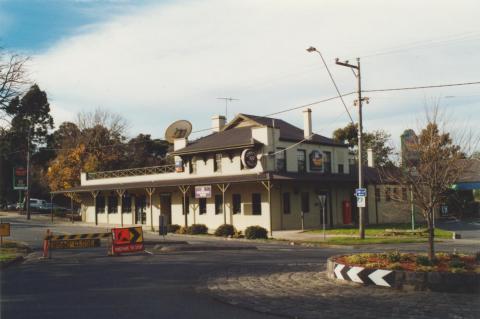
(256, 204)
(327, 162)
(237, 203)
(193, 165)
(302, 161)
(340, 169)
(217, 164)
(281, 159)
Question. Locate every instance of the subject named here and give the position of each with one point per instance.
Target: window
(286, 203)
(340, 168)
(127, 204)
(404, 193)
(388, 192)
(217, 164)
(305, 202)
(377, 194)
(301, 161)
(187, 205)
(112, 204)
(218, 204)
(256, 204)
(327, 164)
(100, 204)
(202, 206)
(193, 165)
(237, 203)
(281, 160)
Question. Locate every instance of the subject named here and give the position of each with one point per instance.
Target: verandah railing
(132, 172)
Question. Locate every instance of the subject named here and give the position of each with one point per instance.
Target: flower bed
(408, 271)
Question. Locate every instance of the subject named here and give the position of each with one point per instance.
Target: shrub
(197, 229)
(256, 232)
(374, 265)
(356, 259)
(456, 263)
(423, 261)
(182, 230)
(394, 256)
(225, 230)
(173, 228)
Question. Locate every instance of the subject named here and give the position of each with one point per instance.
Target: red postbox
(347, 212)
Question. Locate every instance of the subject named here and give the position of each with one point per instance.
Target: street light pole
(358, 102)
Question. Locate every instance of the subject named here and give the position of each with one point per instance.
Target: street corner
(305, 291)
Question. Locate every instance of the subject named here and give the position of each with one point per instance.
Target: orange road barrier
(46, 245)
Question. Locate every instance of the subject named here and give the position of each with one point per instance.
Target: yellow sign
(5, 229)
(74, 243)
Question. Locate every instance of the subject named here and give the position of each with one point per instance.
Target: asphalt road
(89, 284)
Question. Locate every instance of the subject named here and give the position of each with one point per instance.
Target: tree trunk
(431, 236)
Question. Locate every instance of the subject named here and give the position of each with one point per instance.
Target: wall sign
(249, 158)
(203, 191)
(316, 161)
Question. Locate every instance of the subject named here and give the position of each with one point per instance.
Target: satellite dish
(178, 129)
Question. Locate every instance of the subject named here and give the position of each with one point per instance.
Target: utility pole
(358, 102)
(27, 197)
(227, 99)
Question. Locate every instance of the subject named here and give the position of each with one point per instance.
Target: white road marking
(353, 274)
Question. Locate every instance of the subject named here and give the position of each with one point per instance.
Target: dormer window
(217, 163)
(193, 165)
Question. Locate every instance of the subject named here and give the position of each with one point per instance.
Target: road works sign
(74, 243)
(5, 229)
(126, 240)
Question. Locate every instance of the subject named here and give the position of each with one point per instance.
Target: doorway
(141, 210)
(166, 207)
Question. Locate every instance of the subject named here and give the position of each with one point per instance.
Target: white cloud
(170, 61)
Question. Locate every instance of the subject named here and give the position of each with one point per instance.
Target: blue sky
(154, 62)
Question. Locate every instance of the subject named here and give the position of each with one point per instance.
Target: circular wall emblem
(249, 158)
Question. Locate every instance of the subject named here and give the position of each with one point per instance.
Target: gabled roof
(238, 134)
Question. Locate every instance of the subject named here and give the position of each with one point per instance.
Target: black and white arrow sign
(379, 277)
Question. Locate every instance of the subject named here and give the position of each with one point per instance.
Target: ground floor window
(187, 205)
(202, 206)
(218, 204)
(237, 203)
(286, 203)
(112, 204)
(256, 204)
(100, 204)
(127, 204)
(305, 202)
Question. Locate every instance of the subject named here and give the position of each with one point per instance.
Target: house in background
(251, 171)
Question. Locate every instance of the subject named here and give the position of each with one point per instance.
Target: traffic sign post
(361, 192)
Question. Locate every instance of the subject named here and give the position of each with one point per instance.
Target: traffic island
(12, 252)
(456, 273)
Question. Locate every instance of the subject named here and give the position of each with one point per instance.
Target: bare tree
(115, 123)
(434, 163)
(12, 79)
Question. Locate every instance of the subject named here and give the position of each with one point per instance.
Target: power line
(422, 87)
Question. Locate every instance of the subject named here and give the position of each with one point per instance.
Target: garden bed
(408, 271)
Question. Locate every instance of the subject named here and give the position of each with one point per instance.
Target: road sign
(360, 201)
(74, 243)
(20, 178)
(127, 239)
(5, 229)
(203, 191)
(361, 192)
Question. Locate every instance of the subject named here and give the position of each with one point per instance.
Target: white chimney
(179, 143)
(218, 122)
(370, 161)
(307, 123)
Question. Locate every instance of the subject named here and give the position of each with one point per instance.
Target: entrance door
(141, 209)
(166, 207)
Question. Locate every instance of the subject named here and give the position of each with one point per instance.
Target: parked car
(47, 207)
(36, 205)
(12, 206)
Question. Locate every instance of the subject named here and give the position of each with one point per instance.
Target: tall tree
(377, 140)
(438, 164)
(12, 80)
